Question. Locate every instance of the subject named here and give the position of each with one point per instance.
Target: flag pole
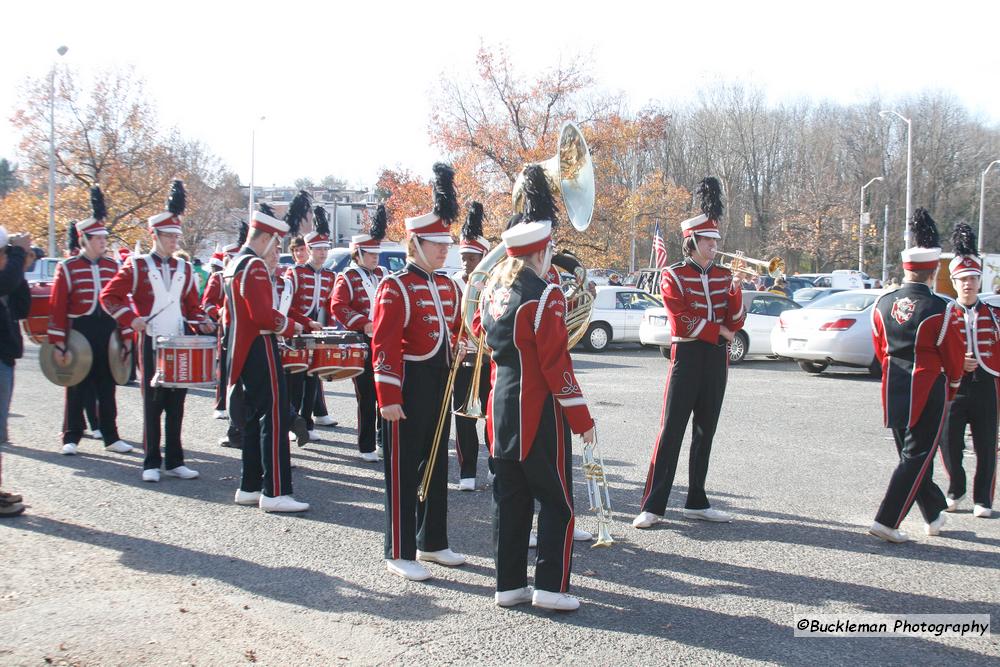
(652, 246)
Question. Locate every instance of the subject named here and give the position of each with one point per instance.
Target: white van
(847, 279)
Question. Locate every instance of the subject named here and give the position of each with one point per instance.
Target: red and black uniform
(213, 303)
(535, 403)
(975, 405)
(918, 342)
(310, 299)
(255, 371)
(466, 429)
(130, 295)
(699, 301)
(416, 315)
(351, 305)
(74, 304)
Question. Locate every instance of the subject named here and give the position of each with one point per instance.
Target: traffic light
(747, 221)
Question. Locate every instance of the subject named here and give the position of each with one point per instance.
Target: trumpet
(598, 495)
(737, 261)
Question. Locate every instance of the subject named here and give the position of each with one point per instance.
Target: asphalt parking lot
(103, 569)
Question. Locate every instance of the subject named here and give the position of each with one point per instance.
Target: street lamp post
(861, 225)
(52, 154)
(982, 201)
(909, 170)
(251, 195)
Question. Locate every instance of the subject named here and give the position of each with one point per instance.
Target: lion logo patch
(902, 310)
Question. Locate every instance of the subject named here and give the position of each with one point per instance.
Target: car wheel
(665, 351)
(875, 369)
(597, 338)
(813, 366)
(738, 348)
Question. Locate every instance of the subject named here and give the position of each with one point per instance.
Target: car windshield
(849, 301)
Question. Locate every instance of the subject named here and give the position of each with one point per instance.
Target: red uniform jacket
(701, 301)
(76, 292)
(350, 303)
(133, 279)
(981, 325)
(917, 337)
(312, 289)
(250, 308)
(415, 314)
(212, 299)
(526, 329)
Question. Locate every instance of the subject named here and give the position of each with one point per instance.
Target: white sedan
(616, 316)
(763, 311)
(836, 330)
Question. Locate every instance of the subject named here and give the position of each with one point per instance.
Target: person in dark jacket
(15, 301)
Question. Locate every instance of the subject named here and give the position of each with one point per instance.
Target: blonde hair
(503, 275)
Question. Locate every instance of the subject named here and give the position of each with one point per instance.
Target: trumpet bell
(570, 174)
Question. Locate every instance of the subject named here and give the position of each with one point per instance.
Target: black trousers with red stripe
(975, 405)
(97, 391)
(158, 402)
(696, 384)
(545, 476)
(364, 392)
(266, 460)
(912, 479)
(302, 391)
(223, 372)
(466, 429)
(412, 525)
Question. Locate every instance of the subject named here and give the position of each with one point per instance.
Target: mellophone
(331, 354)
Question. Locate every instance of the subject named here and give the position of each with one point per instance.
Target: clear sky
(345, 87)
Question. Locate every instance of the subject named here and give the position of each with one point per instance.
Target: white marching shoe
(69, 449)
(888, 534)
(408, 569)
(645, 520)
(532, 540)
(379, 452)
(282, 504)
(119, 447)
(555, 601)
(369, 456)
(514, 597)
(445, 557)
(151, 475)
(314, 435)
(247, 497)
(982, 512)
(934, 527)
(953, 503)
(325, 420)
(183, 472)
(580, 535)
(467, 484)
(219, 414)
(709, 514)
(97, 435)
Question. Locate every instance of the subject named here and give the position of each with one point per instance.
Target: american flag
(659, 249)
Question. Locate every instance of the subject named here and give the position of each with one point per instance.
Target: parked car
(763, 310)
(807, 295)
(836, 330)
(43, 270)
(616, 316)
(392, 258)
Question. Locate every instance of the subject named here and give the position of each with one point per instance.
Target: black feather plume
(924, 230)
(964, 241)
(297, 211)
(266, 209)
(177, 201)
(97, 206)
(710, 197)
(514, 220)
(379, 223)
(72, 238)
(244, 232)
(445, 198)
(538, 201)
(473, 227)
(322, 220)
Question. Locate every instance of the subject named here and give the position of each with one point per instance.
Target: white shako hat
(707, 223)
(170, 220)
(527, 238)
(967, 261)
(926, 251)
(436, 225)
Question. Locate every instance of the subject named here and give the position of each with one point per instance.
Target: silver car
(616, 317)
(836, 330)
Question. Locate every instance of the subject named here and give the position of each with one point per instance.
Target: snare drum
(36, 325)
(336, 355)
(294, 360)
(185, 362)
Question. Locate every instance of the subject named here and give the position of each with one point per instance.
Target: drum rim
(189, 342)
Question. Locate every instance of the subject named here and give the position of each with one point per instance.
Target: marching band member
(255, 370)
(163, 297)
(74, 305)
(321, 416)
(918, 342)
(351, 304)
(704, 303)
(212, 298)
(535, 403)
(975, 403)
(473, 248)
(311, 285)
(416, 314)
